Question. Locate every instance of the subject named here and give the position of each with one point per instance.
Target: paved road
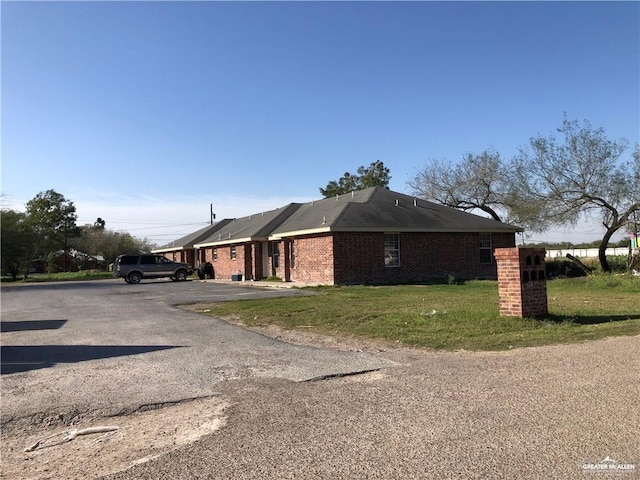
(107, 346)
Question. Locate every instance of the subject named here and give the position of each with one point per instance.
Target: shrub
(563, 268)
(273, 278)
(623, 283)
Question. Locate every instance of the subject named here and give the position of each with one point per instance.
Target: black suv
(134, 268)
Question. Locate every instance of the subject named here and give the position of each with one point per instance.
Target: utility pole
(213, 215)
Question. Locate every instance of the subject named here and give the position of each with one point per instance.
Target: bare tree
(581, 174)
(555, 181)
(478, 182)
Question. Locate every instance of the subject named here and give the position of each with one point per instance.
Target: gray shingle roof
(374, 209)
(256, 227)
(379, 209)
(188, 241)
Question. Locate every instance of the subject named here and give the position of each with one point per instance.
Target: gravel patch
(535, 413)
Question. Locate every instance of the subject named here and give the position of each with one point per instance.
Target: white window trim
(397, 235)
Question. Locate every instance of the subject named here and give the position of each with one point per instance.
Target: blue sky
(145, 113)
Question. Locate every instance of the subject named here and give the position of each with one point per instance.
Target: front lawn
(61, 276)
(463, 316)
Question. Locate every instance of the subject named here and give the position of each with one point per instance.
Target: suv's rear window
(128, 260)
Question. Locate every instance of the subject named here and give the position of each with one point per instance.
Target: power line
(111, 220)
(160, 225)
(171, 226)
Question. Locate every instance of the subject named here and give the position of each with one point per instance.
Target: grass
(452, 317)
(62, 276)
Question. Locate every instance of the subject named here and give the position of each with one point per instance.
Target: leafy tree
(108, 244)
(48, 226)
(90, 240)
(579, 175)
(113, 244)
(52, 219)
(16, 238)
(375, 175)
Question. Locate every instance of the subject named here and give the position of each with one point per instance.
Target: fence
(587, 252)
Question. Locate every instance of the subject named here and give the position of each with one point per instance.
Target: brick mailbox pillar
(522, 283)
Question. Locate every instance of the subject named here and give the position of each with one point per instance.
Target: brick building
(371, 236)
(183, 250)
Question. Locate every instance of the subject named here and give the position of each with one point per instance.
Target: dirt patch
(307, 336)
(104, 445)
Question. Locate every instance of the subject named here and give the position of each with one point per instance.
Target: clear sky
(145, 113)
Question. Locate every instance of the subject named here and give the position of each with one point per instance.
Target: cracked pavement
(107, 346)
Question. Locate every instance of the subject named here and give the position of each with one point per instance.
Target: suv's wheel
(135, 277)
(181, 275)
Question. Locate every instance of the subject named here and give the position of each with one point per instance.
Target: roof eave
(297, 233)
(392, 228)
(230, 241)
(170, 249)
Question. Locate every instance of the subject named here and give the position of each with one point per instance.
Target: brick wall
(423, 256)
(313, 260)
(522, 285)
(358, 258)
(224, 266)
(186, 256)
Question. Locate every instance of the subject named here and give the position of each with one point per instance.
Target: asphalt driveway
(559, 412)
(107, 346)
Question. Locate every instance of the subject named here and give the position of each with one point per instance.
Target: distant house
(62, 261)
(370, 236)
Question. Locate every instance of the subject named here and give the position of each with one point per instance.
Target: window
(392, 250)
(148, 260)
(486, 250)
(215, 254)
(232, 252)
(275, 254)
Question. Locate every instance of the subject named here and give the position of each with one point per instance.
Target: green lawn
(61, 276)
(452, 317)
